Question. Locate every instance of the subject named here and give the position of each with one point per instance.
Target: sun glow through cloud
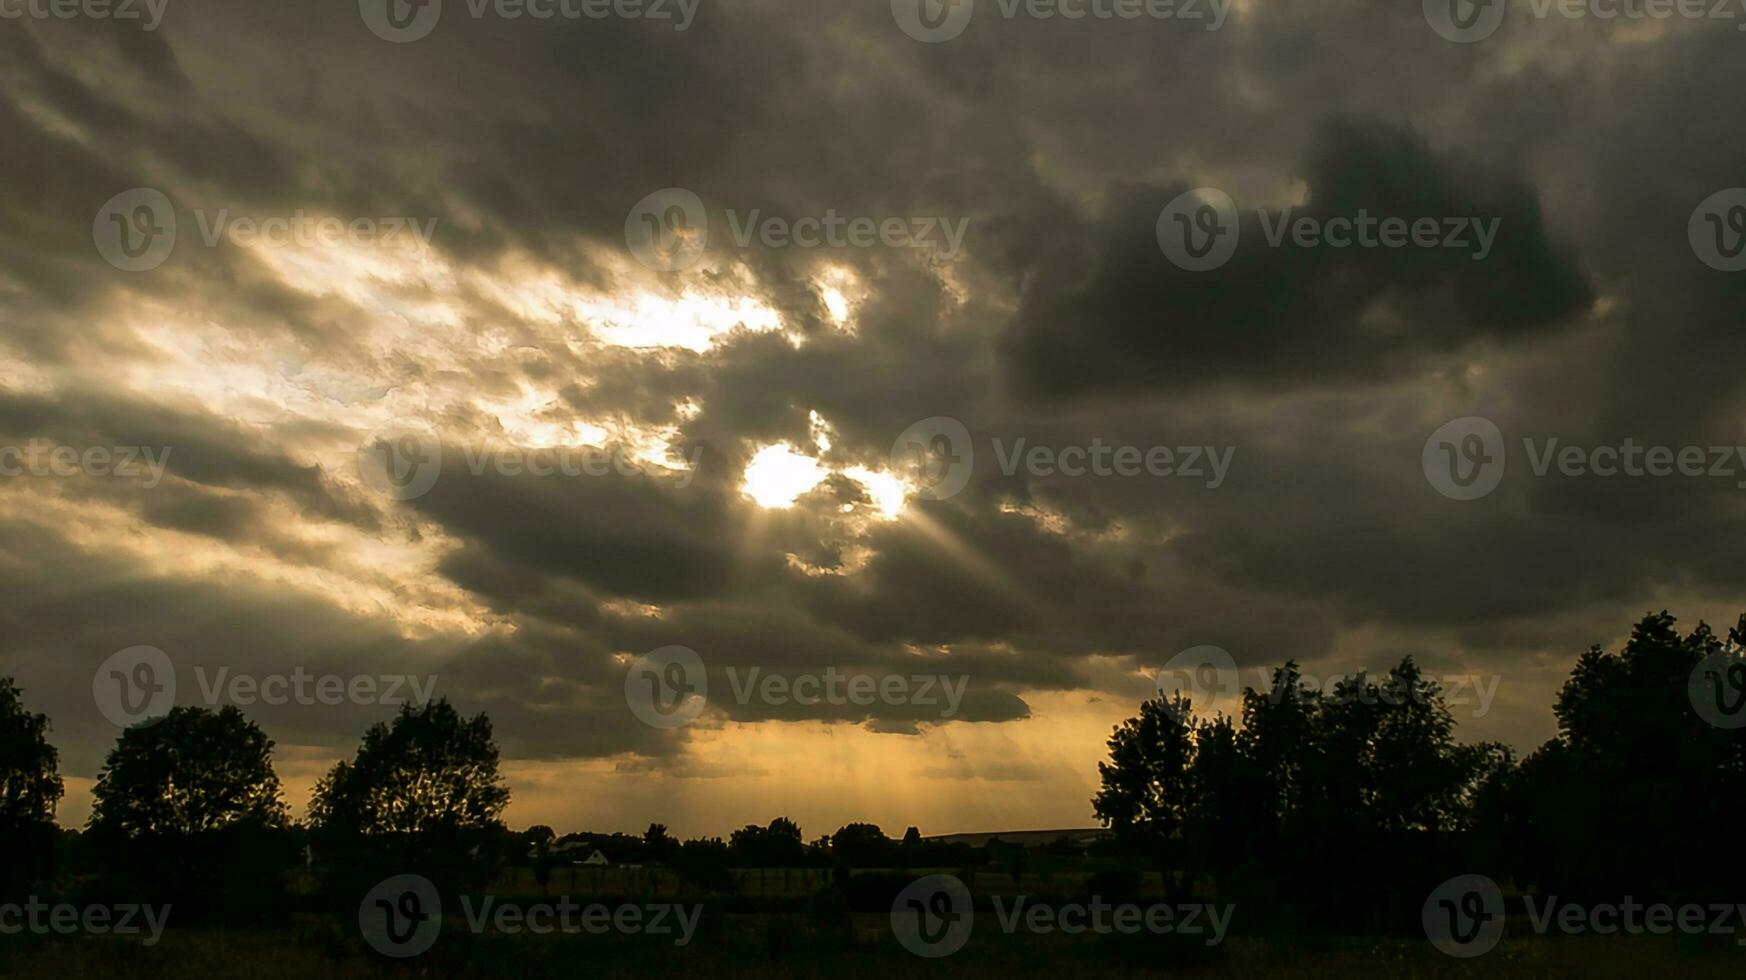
(777, 476)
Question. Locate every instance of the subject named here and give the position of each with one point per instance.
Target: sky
(591, 370)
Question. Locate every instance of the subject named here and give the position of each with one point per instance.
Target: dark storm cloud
(551, 693)
(1325, 369)
(632, 535)
(1113, 313)
(192, 446)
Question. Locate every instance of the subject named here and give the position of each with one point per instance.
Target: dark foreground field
(774, 948)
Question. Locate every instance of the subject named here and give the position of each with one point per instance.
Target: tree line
(1346, 807)
(1315, 809)
(188, 809)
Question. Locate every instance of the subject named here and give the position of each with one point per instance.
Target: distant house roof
(558, 848)
(597, 858)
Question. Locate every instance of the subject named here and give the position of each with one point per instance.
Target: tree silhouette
(191, 772)
(1339, 797)
(185, 800)
(1638, 787)
(776, 846)
(30, 787)
(861, 845)
(1146, 792)
(658, 845)
(422, 793)
(538, 839)
(427, 771)
(703, 864)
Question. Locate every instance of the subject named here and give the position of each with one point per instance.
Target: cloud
(1110, 312)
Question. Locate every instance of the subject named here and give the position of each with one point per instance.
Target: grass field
(776, 948)
(781, 923)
